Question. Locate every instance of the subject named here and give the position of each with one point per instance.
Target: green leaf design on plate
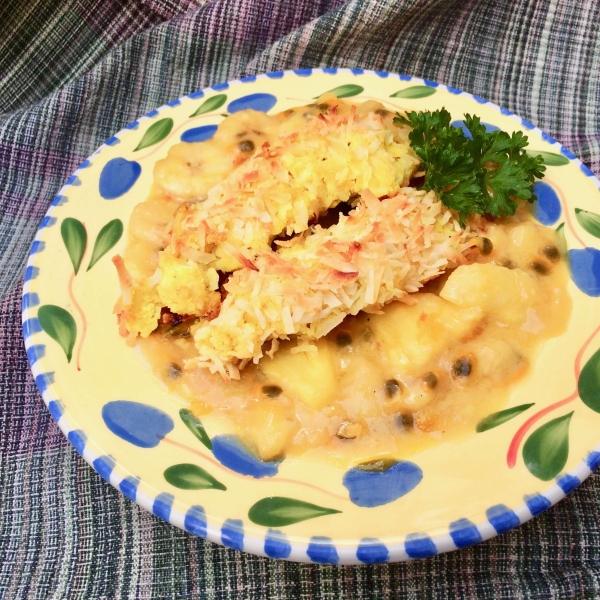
(210, 104)
(346, 91)
(195, 426)
(546, 450)
(192, 477)
(589, 221)
(588, 385)
(109, 235)
(60, 326)
(74, 236)
(551, 159)
(156, 133)
(278, 511)
(415, 91)
(500, 417)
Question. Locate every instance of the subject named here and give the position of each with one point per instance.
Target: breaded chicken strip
(329, 159)
(380, 252)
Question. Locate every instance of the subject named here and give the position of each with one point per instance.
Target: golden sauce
(379, 385)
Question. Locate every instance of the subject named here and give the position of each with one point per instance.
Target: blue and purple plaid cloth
(72, 73)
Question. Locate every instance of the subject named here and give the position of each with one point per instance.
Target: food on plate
(337, 278)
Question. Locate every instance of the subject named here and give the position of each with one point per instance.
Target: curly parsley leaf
(485, 174)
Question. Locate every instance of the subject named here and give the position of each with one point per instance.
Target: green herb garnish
(485, 174)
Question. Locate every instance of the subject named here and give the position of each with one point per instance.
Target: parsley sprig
(485, 174)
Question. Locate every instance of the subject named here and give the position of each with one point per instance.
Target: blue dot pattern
(502, 518)
(371, 551)
(568, 483)
(464, 533)
(104, 465)
(593, 460)
(232, 534)
(162, 505)
(322, 550)
(537, 504)
(195, 521)
(43, 380)
(34, 353)
(199, 134)
(277, 545)
(31, 326)
(29, 300)
(31, 273)
(78, 439)
(56, 409)
(419, 545)
(129, 487)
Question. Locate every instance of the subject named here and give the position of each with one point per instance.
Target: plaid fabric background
(74, 72)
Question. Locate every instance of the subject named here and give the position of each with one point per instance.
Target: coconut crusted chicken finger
(329, 159)
(382, 251)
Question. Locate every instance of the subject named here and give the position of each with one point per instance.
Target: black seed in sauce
(343, 339)
(180, 330)
(540, 268)
(406, 421)
(271, 391)
(246, 146)
(462, 367)
(551, 252)
(430, 379)
(378, 465)
(509, 264)
(323, 107)
(173, 371)
(392, 387)
(486, 246)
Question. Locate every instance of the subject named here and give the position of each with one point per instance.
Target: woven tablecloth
(72, 73)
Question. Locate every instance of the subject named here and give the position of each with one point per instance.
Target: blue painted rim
(231, 532)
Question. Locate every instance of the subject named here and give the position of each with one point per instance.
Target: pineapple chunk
(503, 293)
(310, 377)
(269, 426)
(498, 360)
(412, 335)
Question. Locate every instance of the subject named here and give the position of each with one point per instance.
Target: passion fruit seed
(271, 391)
(509, 264)
(392, 387)
(540, 268)
(323, 107)
(180, 330)
(173, 370)
(551, 252)
(343, 339)
(246, 146)
(349, 431)
(430, 379)
(462, 367)
(406, 421)
(486, 246)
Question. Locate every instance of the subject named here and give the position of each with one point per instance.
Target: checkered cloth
(74, 72)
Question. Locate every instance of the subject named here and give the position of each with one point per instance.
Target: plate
(129, 429)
